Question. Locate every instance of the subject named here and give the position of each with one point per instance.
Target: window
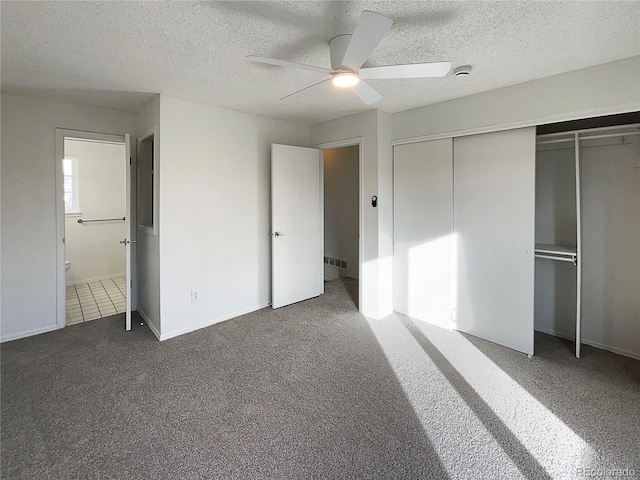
(70, 183)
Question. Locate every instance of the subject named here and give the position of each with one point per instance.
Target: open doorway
(94, 186)
(342, 217)
(93, 214)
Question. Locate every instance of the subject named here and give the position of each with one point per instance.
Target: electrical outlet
(195, 295)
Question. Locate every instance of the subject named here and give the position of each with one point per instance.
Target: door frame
(348, 142)
(61, 284)
(152, 132)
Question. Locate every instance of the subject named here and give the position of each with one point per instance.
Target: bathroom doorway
(93, 190)
(341, 167)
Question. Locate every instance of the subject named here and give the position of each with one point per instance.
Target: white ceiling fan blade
(366, 93)
(284, 63)
(415, 70)
(305, 88)
(371, 28)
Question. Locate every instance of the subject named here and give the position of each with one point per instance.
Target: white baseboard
(331, 278)
(619, 351)
(150, 324)
(602, 346)
(96, 279)
(28, 333)
(208, 323)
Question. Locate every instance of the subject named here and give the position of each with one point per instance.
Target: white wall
(28, 203)
(215, 211)
(1, 267)
(374, 127)
(93, 248)
(604, 89)
(148, 242)
(341, 209)
(385, 215)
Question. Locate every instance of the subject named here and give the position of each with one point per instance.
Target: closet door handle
(278, 234)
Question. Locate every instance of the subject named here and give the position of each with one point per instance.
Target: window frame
(74, 208)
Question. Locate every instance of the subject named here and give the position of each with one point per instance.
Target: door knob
(278, 234)
(126, 242)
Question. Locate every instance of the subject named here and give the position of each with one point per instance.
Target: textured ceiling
(117, 54)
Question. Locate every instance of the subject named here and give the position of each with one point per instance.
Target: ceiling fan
(348, 54)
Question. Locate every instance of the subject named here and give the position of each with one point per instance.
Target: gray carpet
(313, 390)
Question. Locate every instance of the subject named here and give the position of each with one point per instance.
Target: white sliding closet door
(423, 224)
(494, 218)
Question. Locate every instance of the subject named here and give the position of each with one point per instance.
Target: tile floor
(88, 301)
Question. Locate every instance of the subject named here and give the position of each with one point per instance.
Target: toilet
(67, 265)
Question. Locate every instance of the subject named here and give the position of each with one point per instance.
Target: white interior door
(494, 208)
(296, 224)
(423, 227)
(128, 240)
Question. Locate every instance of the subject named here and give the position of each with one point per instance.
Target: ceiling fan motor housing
(338, 46)
(462, 71)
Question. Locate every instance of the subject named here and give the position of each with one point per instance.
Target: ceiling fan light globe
(345, 80)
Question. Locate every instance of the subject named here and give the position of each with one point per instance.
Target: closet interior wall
(555, 281)
(611, 243)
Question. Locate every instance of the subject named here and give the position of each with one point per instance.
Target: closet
(587, 275)
(504, 233)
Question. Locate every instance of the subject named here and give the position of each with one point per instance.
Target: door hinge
(129, 160)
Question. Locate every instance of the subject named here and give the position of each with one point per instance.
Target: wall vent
(335, 262)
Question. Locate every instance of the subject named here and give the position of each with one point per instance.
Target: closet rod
(610, 135)
(102, 220)
(553, 257)
(589, 137)
(561, 140)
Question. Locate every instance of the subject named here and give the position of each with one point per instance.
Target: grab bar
(102, 220)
